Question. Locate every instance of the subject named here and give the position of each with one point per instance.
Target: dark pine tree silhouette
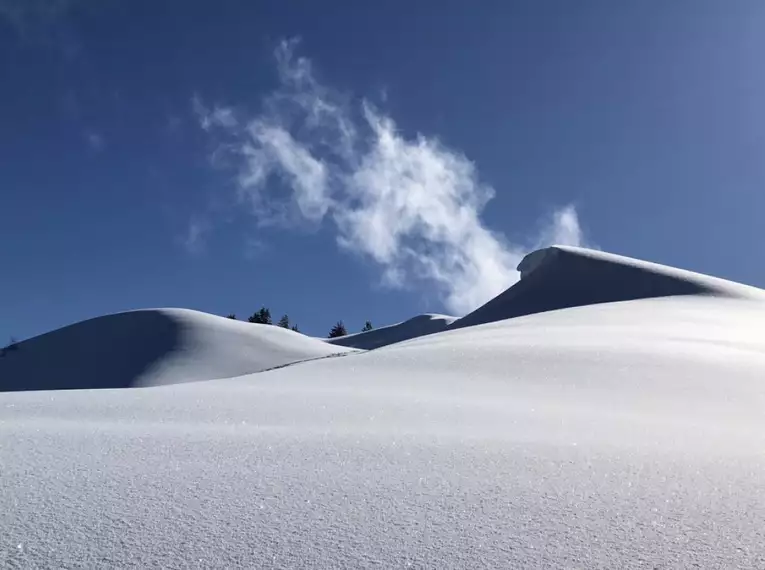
(232, 316)
(338, 330)
(295, 328)
(367, 326)
(263, 317)
(284, 322)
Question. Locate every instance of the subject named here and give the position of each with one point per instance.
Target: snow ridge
(560, 276)
(420, 325)
(152, 347)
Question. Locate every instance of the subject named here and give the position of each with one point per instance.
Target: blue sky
(358, 160)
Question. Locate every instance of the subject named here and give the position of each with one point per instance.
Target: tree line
(263, 317)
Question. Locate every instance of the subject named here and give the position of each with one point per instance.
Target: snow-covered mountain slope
(152, 347)
(618, 435)
(561, 276)
(415, 327)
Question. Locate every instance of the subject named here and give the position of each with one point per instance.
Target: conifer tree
(263, 317)
(338, 330)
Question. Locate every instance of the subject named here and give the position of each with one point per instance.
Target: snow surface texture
(559, 276)
(152, 347)
(420, 325)
(615, 435)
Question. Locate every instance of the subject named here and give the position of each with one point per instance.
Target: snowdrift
(415, 327)
(558, 277)
(616, 435)
(152, 347)
(608, 435)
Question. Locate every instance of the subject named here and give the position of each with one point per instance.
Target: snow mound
(616, 435)
(558, 277)
(152, 347)
(415, 327)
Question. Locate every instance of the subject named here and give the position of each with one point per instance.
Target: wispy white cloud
(194, 240)
(215, 117)
(561, 228)
(412, 205)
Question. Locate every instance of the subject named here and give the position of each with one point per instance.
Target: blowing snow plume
(411, 205)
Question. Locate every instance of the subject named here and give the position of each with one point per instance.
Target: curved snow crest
(559, 277)
(420, 325)
(152, 347)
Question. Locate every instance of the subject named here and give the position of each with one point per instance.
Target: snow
(152, 347)
(564, 276)
(623, 434)
(420, 325)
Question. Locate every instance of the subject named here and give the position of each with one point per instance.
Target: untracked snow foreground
(619, 435)
(624, 430)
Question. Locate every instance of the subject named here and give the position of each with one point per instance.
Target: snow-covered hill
(420, 325)
(621, 434)
(152, 347)
(558, 277)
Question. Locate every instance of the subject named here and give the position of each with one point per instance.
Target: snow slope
(615, 435)
(416, 326)
(152, 347)
(562, 276)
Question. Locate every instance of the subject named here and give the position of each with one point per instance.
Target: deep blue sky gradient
(646, 115)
